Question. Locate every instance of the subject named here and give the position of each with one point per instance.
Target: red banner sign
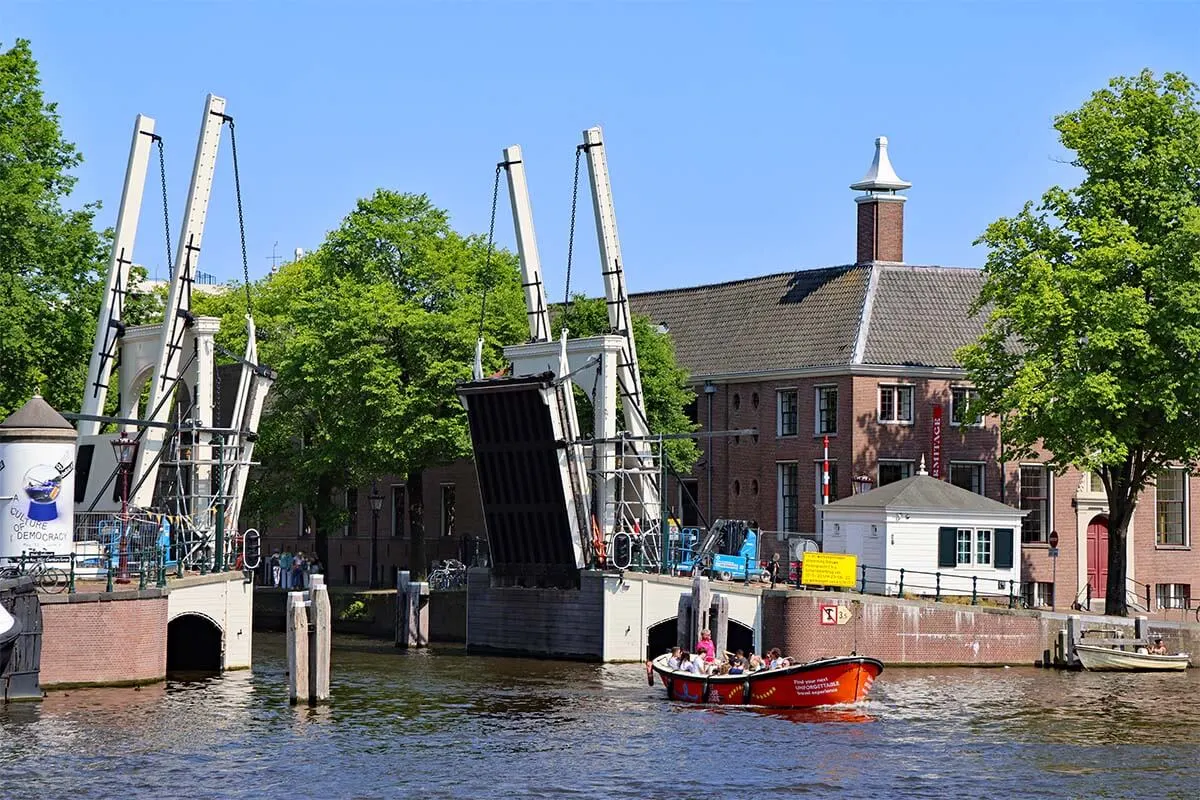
(935, 452)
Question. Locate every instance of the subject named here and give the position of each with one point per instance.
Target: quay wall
(369, 613)
(913, 632)
(117, 638)
(551, 623)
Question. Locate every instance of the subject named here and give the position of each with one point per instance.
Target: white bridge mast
(177, 318)
(644, 481)
(527, 249)
(112, 310)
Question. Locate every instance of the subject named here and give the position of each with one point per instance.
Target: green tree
(51, 258)
(369, 336)
(664, 383)
(1093, 298)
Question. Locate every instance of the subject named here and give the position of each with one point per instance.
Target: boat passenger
(739, 664)
(755, 662)
(1159, 649)
(776, 659)
(673, 660)
(686, 664)
(705, 646)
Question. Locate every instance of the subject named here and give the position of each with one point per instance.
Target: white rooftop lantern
(881, 176)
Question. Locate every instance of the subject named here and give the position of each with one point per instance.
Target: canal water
(440, 724)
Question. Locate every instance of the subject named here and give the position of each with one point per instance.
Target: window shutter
(947, 539)
(1004, 548)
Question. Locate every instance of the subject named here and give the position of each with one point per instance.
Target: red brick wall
(898, 632)
(113, 641)
(880, 231)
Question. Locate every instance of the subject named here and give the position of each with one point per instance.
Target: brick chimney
(880, 210)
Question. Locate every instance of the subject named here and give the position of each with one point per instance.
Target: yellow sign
(829, 569)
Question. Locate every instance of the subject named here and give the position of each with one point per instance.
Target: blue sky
(733, 129)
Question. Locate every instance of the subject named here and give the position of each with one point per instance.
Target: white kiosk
(37, 482)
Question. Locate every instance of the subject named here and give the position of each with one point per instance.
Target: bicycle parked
(450, 575)
(37, 565)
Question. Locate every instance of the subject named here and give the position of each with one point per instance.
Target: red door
(1097, 544)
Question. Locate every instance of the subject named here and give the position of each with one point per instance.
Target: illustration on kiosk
(43, 484)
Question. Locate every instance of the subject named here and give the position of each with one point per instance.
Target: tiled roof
(775, 322)
(920, 315)
(925, 492)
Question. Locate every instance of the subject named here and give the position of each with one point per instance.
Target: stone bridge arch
(195, 644)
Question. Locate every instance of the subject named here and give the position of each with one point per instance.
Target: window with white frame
(1038, 594)
(1173, 595)
(1170, 512)
(1035, 498)
(788, 406)
(827, 402)
(789, 496)
(351, 526)
(892, 470)
(983, 548)
(448, 509)
(967, 475)
(833, 482)
(1092, 482)
(960, 397)
(895, 404)
(304, 524)
(965, 538)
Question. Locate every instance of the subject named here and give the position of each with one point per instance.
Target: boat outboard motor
(10, 629)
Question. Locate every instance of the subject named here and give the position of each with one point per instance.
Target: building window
(351, 500)
(1038, 594)
(983, 548)
(304, 526)
(967, 475)
(1093, 483)
(827, 401)
(1173, 595)
(788, 406)
(833, 481)
(789, 496)
(1170, 497)
(1035, 498)
(964, 546)
(350, 574)
(960, 396)
(895, 404)
(399, 509)
(754, 399)
(892, 471)
(447, 509)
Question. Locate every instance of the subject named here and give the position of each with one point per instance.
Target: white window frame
(971, 392)
(1048, 519)
(879, 464)
(974, 540)
(817, 391)
(896, 389)
(447, 530)
(982, 465)
(779, 393)
(1185, 510)
(1172, 595)
(780, 497)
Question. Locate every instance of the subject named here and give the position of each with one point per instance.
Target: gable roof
(921, 315)
(925, 492)
(774, 322)
(895, 314)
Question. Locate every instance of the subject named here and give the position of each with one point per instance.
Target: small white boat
(1102, 658)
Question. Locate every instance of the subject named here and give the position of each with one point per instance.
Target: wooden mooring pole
(309, 641)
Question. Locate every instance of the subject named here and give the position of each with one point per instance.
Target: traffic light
(251, 550)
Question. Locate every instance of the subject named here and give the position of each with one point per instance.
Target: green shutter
(1004, 548)
(947, 542)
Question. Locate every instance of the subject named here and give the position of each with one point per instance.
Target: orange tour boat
(825, 682)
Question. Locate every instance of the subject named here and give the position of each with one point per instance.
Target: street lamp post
(126, 451)
(376, 505)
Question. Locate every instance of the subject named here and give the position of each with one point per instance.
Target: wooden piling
(320, 643)
(297, 647)
(701, 605)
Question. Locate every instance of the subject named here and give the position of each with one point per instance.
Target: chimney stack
(880, 210)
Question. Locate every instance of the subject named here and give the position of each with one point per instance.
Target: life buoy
(649, 673)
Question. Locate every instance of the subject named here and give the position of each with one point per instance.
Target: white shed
(924, 536)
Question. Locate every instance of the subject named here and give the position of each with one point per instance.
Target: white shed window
(964, 545)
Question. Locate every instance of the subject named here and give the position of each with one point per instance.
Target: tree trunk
(321, 523)
(1120, 513)
(414, 483)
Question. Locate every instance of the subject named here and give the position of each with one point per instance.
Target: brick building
(863, 354)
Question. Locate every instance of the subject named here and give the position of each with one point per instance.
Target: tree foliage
(664, 383)
(369, 336)
(51, 258)
(1093, 298)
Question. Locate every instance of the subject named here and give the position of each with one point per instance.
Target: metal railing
(125, 562)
